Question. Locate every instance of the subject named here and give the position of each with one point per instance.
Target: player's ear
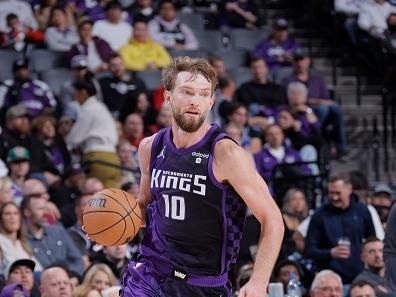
(167, 96)
(212, 101)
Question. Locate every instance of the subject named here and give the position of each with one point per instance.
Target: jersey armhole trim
(154, 147)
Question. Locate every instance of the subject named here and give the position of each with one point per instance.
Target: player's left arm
(234, 165)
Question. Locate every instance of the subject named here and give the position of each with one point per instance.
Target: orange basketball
(112, 217)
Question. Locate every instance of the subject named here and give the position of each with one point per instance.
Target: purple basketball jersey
(194, 222)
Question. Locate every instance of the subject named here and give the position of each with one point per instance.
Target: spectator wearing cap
(277, 50)
(166, 29)
(17, 133)
(328, 111)
(13, 237)
(382, 201)
(21, 272)
(113, 29)
(142, 53)
(97, 50)
(44, 128)
(374, 268)
(18, 161)
(55, 282)
(95, 134)
(22, 89)
(50, 243)
(239, 14)
(14, 290)
(259, 95)
(121, 88)
(60, 35)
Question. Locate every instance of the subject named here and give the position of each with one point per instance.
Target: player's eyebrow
(191, 88)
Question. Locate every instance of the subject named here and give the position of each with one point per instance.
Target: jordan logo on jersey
(162, 153)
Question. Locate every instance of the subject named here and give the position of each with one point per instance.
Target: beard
(188, 124)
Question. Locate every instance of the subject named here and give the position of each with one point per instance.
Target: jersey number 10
(175, 207)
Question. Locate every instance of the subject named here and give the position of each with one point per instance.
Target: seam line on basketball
(107, 228)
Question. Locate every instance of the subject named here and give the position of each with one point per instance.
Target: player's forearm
(268, 249)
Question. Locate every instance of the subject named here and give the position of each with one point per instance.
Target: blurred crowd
(71, 129)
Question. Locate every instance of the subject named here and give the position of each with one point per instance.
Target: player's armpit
(144, 154)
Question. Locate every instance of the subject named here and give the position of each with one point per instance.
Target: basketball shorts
(144, 279)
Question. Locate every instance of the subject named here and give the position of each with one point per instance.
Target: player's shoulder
(226, 149)
(147, 142)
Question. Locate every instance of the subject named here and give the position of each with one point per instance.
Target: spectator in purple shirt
(275, 152)
(328, 111)
(34, 94)
(278, 49)
(97, 51)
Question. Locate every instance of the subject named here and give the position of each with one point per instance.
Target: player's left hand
(253, 289)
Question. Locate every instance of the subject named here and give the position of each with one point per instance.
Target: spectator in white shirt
(23, 11)
(169, 31)
(348, 7)
(60, 36)
(113, 29)
(373, 16)
(94, 133)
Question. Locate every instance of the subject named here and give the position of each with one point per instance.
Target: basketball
(112, 217)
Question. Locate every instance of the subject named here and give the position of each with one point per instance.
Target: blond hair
(195, 66)
(4, 183)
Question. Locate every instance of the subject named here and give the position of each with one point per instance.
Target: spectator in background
(169, 31)
(224, 94)
(55, 282)
(362, 289)
(328, 111)
(113, 29)
(294, 211)
(390, 34)
(13, 238)
(164, 119)
(120, 89)
(373, 15)
(282, 271)
(390, 245)
(278, 49)
(60, 35)
(142, 53)
(21, 272)
(6, 191)
(124, 150)
(142, 10)
(22, 89)
(83, 244)
(250, 139)
(97, 278)
(51, 244)
(42, 13)
(44, 128)
(360, 187)
(94, 133)
(21, 9)
(382, 201)
(239, 14)
(115, 257)
(374, 268)
(18, 161)
(94, 48)
(274, 153)
(134, 129)
(34, 187)
(337, 229)
(326, 283)
(260, 95)
(17, 37)
(218, 63)
(147, 112)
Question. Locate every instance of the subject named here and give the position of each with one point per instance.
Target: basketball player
(195, 185)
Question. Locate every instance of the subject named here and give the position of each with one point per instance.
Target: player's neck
(182, 139)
